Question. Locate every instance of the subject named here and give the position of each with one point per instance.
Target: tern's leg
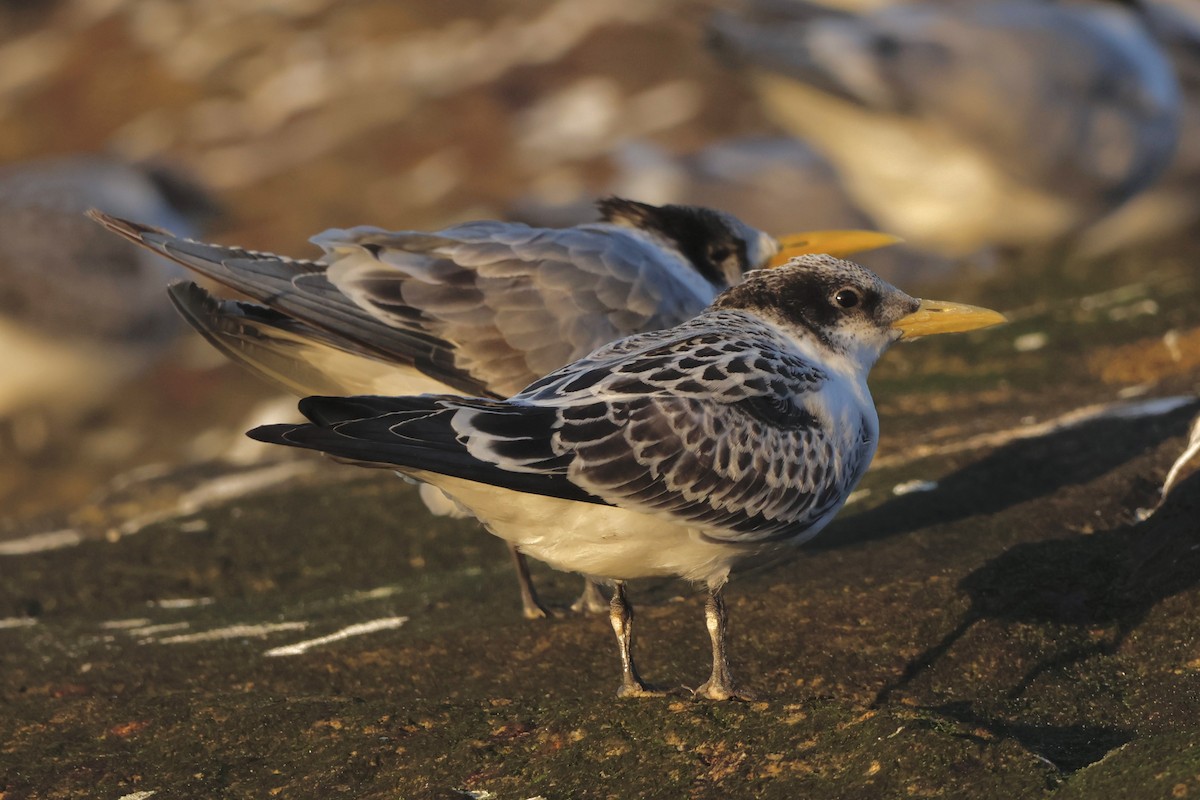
(719, 686)
(592, 601)
(530, 607)
(621, 616)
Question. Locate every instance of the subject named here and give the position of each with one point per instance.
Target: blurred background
(1030, 142)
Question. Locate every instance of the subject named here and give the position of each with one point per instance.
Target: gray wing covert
(517, 302)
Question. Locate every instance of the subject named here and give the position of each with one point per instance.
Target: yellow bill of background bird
(837, 243)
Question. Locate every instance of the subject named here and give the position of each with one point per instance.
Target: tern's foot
(531, 607)
(639, 689)
(721, 691)
(535, 610)
(591, 601)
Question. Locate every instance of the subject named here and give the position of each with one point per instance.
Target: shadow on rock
(1017, 472)
(1109, 578)
(1068, 747)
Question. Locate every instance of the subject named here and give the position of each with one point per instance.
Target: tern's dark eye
(847, 298)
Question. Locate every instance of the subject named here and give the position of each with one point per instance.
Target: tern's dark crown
(805, 295)
(703, 236)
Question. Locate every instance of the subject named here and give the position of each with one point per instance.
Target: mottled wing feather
(483, 307)
(715, 423)
(712, 426)
(735, 474)
(516, 301)
(301, 289)
(292, 355)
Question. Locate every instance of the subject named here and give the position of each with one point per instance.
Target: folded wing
(484, 308)
(681, 424)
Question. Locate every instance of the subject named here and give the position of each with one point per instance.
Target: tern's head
(844, 309)
(718, 245)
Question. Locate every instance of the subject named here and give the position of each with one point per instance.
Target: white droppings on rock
(154, 630)
(1029, 342)
(41, 542)
(16, 622)
(124, 624)
(857, 495)
(359, 629)
(1142, 308)
(1130, 392)
(377, 593)
(182, 602)
(1171, 342)
(235, 632)
(220, 490)
(575, 122)
(913, 487)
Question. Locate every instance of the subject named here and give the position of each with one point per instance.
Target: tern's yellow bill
(936, 316)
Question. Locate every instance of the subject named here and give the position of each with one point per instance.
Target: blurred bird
(760, 179)
(958, 125)
(1172, 203)
(482, 308)
(681, 452)
(81, 312)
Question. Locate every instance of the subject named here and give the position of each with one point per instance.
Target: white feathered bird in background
(960, 125)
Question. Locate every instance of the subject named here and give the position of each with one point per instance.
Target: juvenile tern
(679, 452)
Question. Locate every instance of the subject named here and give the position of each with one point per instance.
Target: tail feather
(286, 352)
(329, 411)
(300, 289)
(416, 434)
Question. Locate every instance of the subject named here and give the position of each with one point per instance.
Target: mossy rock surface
(1015, 630)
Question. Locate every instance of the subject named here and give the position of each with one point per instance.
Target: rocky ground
(1008, 609)
(1003, 612)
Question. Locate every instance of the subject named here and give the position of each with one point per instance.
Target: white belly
(595, 540)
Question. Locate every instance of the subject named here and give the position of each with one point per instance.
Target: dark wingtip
(326, 411)
(196, 306)
(273, 434)
(133, 231)
(190, 299)
(119, 226)
(313, 408)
